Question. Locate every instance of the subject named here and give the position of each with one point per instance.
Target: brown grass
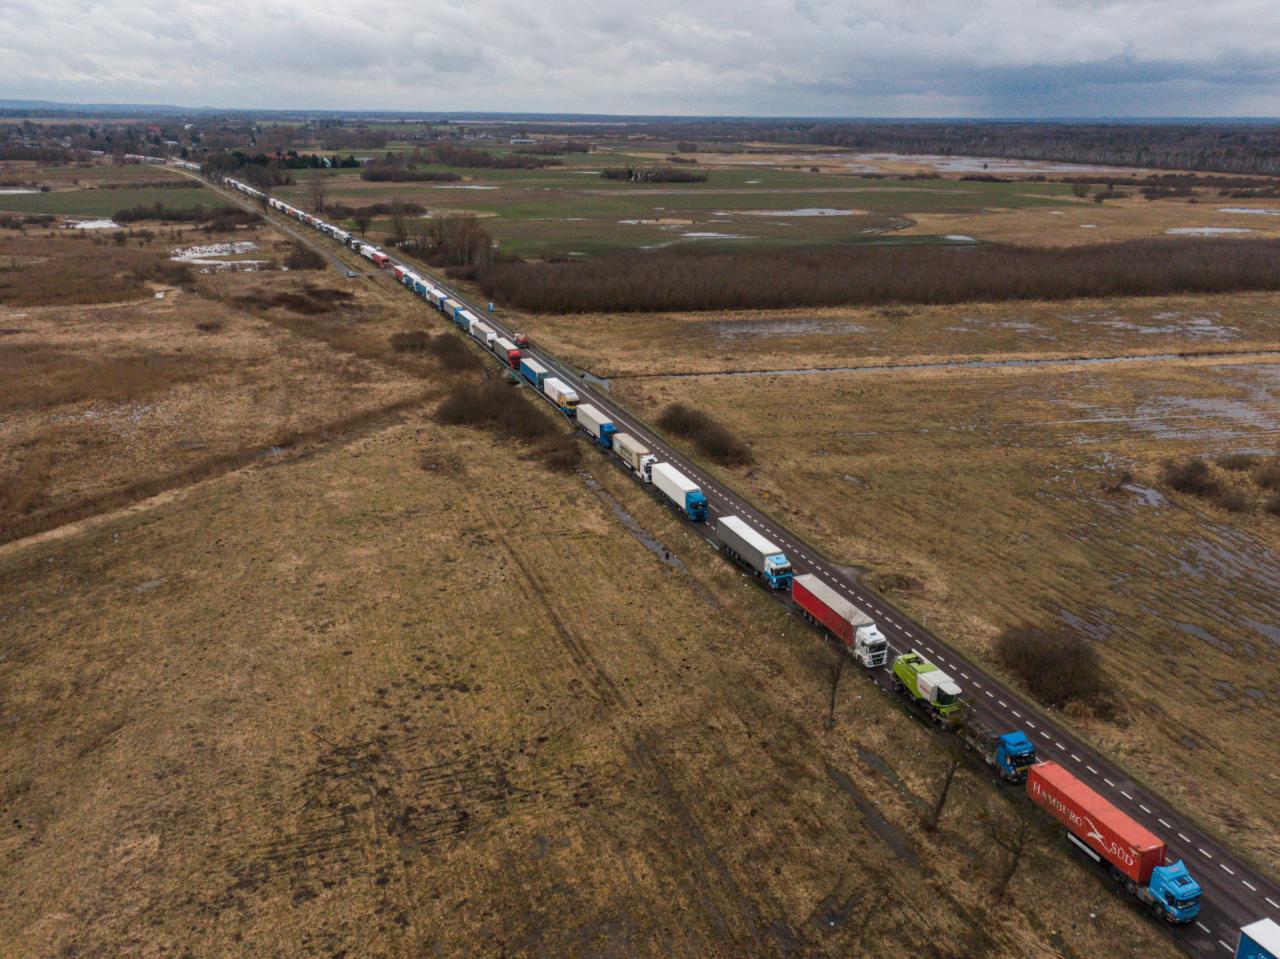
(36, 376)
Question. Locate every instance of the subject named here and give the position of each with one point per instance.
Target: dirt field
(345, 706)
(99, 398)
(986, 498)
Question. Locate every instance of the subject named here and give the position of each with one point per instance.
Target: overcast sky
(749, 57)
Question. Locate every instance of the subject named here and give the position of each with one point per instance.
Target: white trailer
(744, 544)
(683, 492)
(635, 455)
(484, 333)
(597, 425)
(562, 394)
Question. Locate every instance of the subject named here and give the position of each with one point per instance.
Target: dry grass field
(346, 706)
(108, 392)
(983, 498)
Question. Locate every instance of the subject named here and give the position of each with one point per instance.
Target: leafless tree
(836, 671)
(362, 223)
(1012, 828)
(954, 760)
(319, 193)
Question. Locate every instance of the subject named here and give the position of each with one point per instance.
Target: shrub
(494, 406)
(1268, 477)
(1273, 505)
(711, 437)
(1191, 476)
(411, 341)
(1232, 501)
(560, 455)
(304, 258)
(451, 351)
(1237, 462)
(1059, 667)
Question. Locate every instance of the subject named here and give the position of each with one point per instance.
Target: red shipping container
(1101, 826)
(828, 607)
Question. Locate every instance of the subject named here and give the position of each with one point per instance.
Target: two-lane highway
(1234, 893)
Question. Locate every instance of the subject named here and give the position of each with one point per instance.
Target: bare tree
(399, 228)
(836, 671)
(362, 223)
(1013, 829)
(954, 760)
(319, 193)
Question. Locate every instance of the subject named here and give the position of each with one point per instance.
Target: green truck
(928, 688)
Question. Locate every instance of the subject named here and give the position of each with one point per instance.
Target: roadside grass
(103, 203)
(998, 497)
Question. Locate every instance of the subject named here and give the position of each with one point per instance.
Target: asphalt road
(1234, 894)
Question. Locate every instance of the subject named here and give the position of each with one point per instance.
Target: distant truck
(533, 371)
(1259, 940)
(520, 340)
(564, 396)
(856, 631)
(742, 543)
(596, 425)
(635, 455)
(928, 687)
(1010, 754)
(483, 333)
(683, 492)
(504, 347)
(1134, 856)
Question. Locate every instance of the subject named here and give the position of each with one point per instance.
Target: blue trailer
(1259, 940)
(420, 288)
(533, 371)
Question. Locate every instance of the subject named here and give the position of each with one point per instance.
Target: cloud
(760, 57)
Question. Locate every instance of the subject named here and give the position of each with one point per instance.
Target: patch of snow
(463, 186)
(803, 211)
(710, 235)
(94, 225)
(11, 190)
(1252, 210)
(959, 238)
(1088, 226)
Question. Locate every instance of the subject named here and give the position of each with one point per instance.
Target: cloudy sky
(743, 57)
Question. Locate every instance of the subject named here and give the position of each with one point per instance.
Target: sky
(855, 58)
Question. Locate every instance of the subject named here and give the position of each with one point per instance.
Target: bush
(1191, 477)
(1237, 462)
(1232, 501)
(158, 211)
(710, 436)
(560, 455)
(1268, 477)
(451, 351)
(1273, 505)
(1057, 666)
(411, 341)
(304, 258)
(497, 407)
(667, 175)
(880, 275)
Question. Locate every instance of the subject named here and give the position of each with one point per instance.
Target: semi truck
(683, 492)
(928, 687)
(857, 632)
(635, 455)
(742, 543)
(1010, 754)
(484, 333)
(562, 394)
(1134, 856)
(1259, 940)
(533, 371)
(504, 347)
(598, 426)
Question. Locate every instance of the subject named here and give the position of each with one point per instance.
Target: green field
(571, 209)
(104, 202)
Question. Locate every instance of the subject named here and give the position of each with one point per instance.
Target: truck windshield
(945, 699)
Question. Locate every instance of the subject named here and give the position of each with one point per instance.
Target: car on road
(350, 274)
(520, 340)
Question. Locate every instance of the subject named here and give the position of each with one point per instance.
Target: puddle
(592, 380)
(213, 256)
(745, 329)
(1095, 631)
(708, 235)
(979, 164)
(1149, 496)
(888, 833)
(649, 541)
(959, 238)
(1206, 230)
(463, 186)
(12, 191)
(1252, 211)
(1200, 634)
(802, 211)
(93, 225)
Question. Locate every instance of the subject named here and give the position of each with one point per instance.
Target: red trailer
(398, 271)
(381, 259)
(1095, 822)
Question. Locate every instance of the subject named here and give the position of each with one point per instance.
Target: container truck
(484, 333)
(381, 259)
(1259, 940)
(533, 371)
(928, 688)
(398, 272)
(450, 308)
(598, 426)
(1010, 754)
(635, 455)
(562, 394)
(857, 632)
(464, 319)
(1134, 856)
(682, 491)
(504, 347)
(742, 543)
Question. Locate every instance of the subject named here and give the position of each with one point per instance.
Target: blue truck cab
(605, 439)
(420, 288)
(1174, 892)
(695, 506)
(778, 572)
(1015, 754)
